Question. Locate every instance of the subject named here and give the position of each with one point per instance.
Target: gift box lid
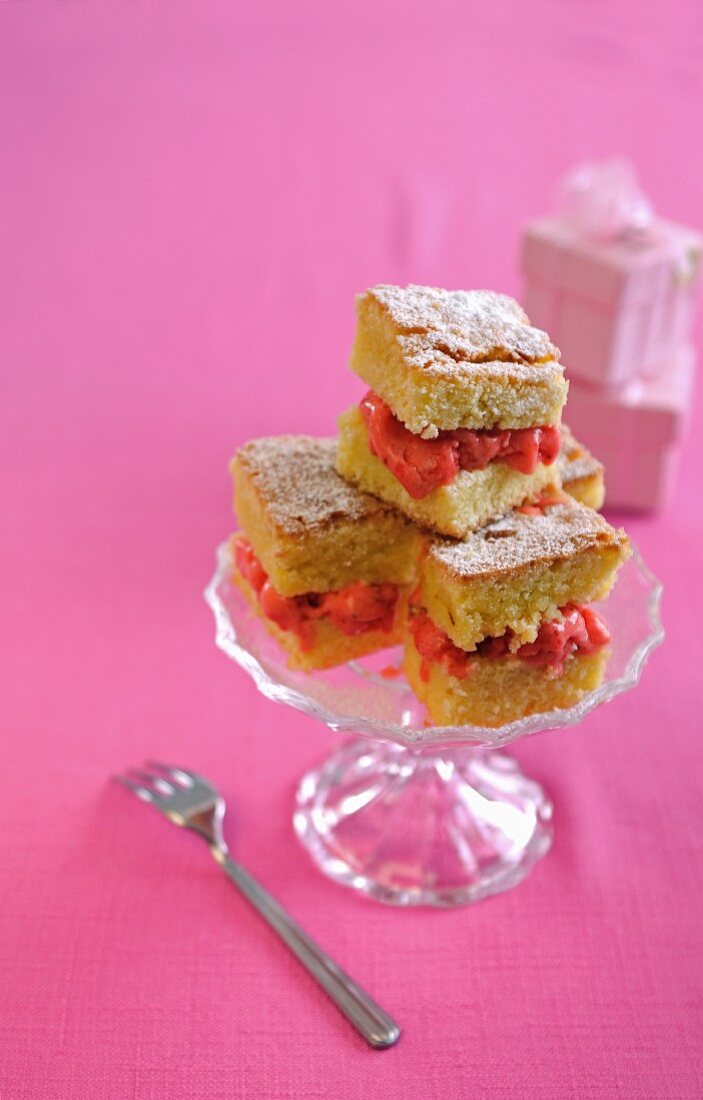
(631, 267)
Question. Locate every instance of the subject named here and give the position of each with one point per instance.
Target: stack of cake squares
(455, 515)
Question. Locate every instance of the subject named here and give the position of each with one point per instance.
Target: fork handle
(369, 1019)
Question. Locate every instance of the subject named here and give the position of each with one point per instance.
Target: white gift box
(637, 432)
(616, 308)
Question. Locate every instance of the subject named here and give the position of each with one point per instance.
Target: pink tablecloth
(191, 196)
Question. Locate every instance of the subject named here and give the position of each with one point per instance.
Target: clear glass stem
(414, 827)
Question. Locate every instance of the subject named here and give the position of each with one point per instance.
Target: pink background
(191, 195)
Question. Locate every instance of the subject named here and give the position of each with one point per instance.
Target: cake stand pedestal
(412, 814)
(422, 827)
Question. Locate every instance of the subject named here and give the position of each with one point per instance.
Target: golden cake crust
(518, 570)
(444, 330)
(575, 460)
(311, 531)
(448, 359)
(517, 541)
(296, 479)
(582, 475)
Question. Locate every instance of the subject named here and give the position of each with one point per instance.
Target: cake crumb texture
(311, 531)
(455, 509)
(296, 478)
(462, 326)
(500, 691)
(518, 570)
(582, 475)
(450, 359)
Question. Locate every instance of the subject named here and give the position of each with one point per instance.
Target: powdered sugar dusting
(575, 461)
(518, 540)
(296, 477)
(445, 329)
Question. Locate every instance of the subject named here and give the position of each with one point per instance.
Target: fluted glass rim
(227, 640)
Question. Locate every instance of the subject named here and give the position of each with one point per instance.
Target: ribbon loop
(604, 200)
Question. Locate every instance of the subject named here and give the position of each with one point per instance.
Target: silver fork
(191, 801)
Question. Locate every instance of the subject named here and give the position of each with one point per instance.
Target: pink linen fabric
(191, 195)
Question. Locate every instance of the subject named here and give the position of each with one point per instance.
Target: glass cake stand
(408, 812)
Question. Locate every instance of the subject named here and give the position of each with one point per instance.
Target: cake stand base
(441, 828)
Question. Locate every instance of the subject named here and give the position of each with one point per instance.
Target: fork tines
(160, 781)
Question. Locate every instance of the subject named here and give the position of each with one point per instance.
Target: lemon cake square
(519, 570)
(310, 529)
(462, 420)
(325, 565)
(444, 359)
(500, 626)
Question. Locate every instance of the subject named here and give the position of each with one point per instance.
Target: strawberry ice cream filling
(421, 465)
(354, 609)
(578, 630)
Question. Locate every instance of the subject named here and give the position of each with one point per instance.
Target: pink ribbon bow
(605, 201)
